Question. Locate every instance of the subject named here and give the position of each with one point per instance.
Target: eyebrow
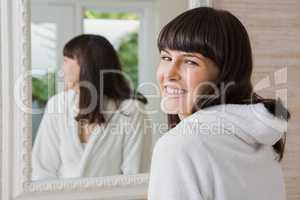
(192, 55)
(186, 54)
(165, 51)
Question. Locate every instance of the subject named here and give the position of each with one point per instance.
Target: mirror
(107, 135)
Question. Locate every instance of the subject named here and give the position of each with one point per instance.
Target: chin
(169, 107)
(170, 112)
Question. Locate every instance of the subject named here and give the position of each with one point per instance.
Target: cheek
(194, 79)
(160, 76)
(196, 83)
(71, 71)
(77, 71)
(66, 68)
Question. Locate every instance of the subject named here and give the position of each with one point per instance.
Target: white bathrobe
(219, 153)
(122, 147)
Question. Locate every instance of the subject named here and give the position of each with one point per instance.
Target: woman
(225, 142)
(96, 126)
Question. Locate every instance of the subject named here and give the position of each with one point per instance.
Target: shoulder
(131, 107)
(62, 96)
(58, 102)
(181, 157)
(193, 137)
(180, 144)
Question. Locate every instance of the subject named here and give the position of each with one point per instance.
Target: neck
(76, 88)
(73, 86)
(183, 115)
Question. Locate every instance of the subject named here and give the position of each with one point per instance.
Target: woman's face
(182, 76)
(71, 70)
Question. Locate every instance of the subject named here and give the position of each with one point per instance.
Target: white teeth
(174, 91)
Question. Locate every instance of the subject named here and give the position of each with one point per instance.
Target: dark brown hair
(94, 54)
(220, 36)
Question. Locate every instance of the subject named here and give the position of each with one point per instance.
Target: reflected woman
(96, 127)
(225, 142)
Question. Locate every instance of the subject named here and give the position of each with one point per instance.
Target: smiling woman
(224, 141)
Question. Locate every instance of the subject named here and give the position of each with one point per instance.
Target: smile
(174, 91)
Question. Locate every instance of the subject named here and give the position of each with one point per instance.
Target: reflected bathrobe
(123, 146)
(219, 153)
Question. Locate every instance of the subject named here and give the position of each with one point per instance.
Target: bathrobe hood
(253, 123)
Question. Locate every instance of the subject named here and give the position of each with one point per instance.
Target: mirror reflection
(88, 119)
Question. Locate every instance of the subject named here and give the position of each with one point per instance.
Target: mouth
(174, 91)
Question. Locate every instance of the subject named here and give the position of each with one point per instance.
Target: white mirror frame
(16, 130)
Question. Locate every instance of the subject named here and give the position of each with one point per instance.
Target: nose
(173, 71)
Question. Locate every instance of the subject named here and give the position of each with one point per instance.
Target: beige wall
(168, 9)
(274, 28)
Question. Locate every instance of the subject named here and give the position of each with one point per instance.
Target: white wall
(62, 18)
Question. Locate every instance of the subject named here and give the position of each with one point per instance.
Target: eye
(165, 58)
(190, 62)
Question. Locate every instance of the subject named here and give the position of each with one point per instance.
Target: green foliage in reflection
(128, 54)
(110, 15)
(43, 88)
(128, 49)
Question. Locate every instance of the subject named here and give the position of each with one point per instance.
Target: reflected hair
(221, 37)
(94, 54)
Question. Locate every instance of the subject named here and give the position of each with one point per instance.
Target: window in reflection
(122, 30)
(44, 67)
